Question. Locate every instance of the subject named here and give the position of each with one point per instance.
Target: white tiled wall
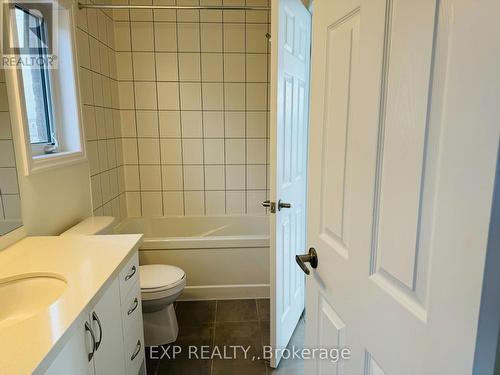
(101, 115)
(193, 99)
(10, 204)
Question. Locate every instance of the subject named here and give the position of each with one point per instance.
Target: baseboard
(209, 292)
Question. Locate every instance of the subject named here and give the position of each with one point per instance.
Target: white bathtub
(223, 256)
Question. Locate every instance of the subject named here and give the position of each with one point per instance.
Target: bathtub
(224, 257)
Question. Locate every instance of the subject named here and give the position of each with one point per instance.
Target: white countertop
(87, 263)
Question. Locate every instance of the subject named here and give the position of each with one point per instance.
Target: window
(32, 32)
(42, 78)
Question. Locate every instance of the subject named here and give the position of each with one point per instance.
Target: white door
(109, 357)
(288, 157)
(404, 137)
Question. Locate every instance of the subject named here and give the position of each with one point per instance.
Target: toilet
(161, 284)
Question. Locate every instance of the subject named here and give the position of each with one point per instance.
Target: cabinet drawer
(129, 275)
(133, 330)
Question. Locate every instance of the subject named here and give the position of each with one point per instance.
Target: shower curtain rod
(175, 7)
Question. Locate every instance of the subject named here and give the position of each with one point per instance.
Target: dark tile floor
(215, 324)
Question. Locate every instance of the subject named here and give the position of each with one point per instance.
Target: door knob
(311, 258)
(270, 205)
(283, 205)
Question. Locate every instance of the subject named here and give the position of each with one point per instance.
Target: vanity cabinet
(108, 338)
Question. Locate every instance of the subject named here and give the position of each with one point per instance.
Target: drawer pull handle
(95, 318)
(87, 328)
(134, 306)
(132, 272)
(137, 351)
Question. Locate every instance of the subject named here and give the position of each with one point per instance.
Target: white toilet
(160, 286)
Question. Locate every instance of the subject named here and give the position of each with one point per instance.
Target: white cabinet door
(107, 326)
(404, 128)
(74, 357)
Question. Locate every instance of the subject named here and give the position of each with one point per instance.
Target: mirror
(10, 199)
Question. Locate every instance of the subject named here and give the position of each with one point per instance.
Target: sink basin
(23, 296)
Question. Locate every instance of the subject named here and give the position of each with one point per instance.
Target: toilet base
(160, 327)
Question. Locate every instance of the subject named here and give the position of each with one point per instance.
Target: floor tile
(194, 336)
(185, 367)
(246, 334)
(238, 367)
(263, 307)
(240, 310)
(193, 313)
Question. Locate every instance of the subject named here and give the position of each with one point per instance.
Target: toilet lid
(153, 276)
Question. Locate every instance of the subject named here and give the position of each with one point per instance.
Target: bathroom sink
(23, 296)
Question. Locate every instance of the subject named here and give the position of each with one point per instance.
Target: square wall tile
(256, 124)
(190, 96)
(150, 177)
(256, 41)
(234, 94)
(254, 202)
(172, 177)
(165, 37)
(194, 203)
(133, 200)
(129, 147)
(191, 124)
(211, 37)
(189, 67)
(168, 95)
(234, 37)
(131, 176)
(235, 124)
(256, 177)
(213, 96)
(256, 67)
(145, 95)
(192, 151)
(142, 36)
(235, 202)
(214, 177)
(215, 202)
(256, 151)
(235, 177)
(256, 96)
(166, 66)
(213, 124)
(234, 67)
(193, 177)
(173, 203)
(188, 15)
(170, 124)
(149, 151)
(147, 124)
(214, 151)
(235, 151)
(189, 37)
(152, 204)
(144, 66)
(212, 67)
(171, 151)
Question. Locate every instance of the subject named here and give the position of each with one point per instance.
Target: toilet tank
(91, 226)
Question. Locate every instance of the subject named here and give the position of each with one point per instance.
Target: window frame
(37, 148)
(66, 102)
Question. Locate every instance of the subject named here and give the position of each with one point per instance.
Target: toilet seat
(160, 280)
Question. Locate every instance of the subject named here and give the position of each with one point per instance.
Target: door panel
(288, 156)
(397, 165)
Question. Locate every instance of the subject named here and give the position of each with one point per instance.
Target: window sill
(45, 162)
